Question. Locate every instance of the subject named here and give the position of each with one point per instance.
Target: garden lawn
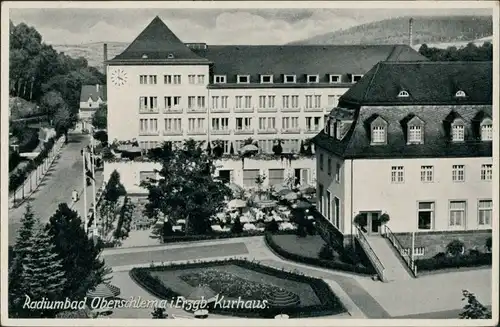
(185, 280)
(308, 246)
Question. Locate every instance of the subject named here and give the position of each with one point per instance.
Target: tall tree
(63, 121)
(83, 267)
(43, 273)
(186, 188)
(100, 117)
(51, 102)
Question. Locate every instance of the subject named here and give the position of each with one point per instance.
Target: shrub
(326, 252)
(443, 261)
(309, 226)
(277, 149)
(439, 255)
(101, 136)
(384, 218)
(455, 247)
(360, 220)
(167, 229)
(272, 226)
(301, 231)
(488, 244)
(237, 227)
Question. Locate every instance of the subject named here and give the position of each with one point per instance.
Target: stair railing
(410, 263)
(379, 267)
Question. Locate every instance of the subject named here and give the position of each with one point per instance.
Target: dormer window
(460, 94)
(312, 78)
(144, 56)
(243, 79)
(170, 56)
(356, 77)
(458, 131)
(332, 127)
(335, 78)
(377, 129)
(289, 79)
(219, 79)
(378, 134)
(338, 130)
(486, 130)
(403, 94)
(266, 79)
(414, 134)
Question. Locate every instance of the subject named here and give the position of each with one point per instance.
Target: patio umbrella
(280, 187)
(291, 196)
(202, 292)
(249, 148)
(104, 290)
(284, 192)
(129, 148)
(282, 298)
(267, 204)
(307, 189)
(235, 188)
(237, 203)
(303, 205)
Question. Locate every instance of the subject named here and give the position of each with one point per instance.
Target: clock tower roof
(157, 43)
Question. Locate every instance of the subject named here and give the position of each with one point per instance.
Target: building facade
(91, 98)
(161, 89)
(413, 140)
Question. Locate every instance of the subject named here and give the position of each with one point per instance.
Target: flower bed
(290, 251)
(443, 261)
(329, 304)
(181, 237)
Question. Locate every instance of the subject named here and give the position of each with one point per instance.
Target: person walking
(74, 196)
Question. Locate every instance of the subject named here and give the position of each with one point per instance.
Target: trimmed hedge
(474, 259)
(337, 265)
(18, 178)
(181, 237)
(330, 303)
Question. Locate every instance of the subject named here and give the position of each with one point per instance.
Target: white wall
(373, 190)
(129, 173)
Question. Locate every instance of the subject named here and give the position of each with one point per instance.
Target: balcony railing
(267, 109)
(312, 130)
(397, 245)
(290, 109)
(294, 130)
(360, 236)
(149, 110)
(215, 110)
(149, 133)
(220, 132)
(243, 131)
(173, 133)
(197, 132)
(173, 110)
(267, 131)
(196, 110)
(244, 110)
(314, 109)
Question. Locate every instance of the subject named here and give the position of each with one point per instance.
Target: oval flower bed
(247, 280)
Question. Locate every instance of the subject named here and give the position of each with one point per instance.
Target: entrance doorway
(297, 177)
(372, 219)
(225, 176)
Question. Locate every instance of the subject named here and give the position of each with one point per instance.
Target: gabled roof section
(452, 116)
(427, 82)
(157, 43)
(93, 92)
(480, 116)
(411, 119)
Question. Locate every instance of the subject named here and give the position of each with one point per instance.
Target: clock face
(118, 77)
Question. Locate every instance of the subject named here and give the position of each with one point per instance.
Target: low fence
(36, 176)
(400, 249)
(90, 215)
(360, 236)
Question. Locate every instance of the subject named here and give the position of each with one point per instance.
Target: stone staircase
(394, 267)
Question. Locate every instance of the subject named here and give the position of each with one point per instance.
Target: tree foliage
(186, 188)
(473, 309)
(100, 117)
(80, 256)
(471, 52)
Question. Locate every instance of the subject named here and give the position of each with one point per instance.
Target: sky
(212, 26)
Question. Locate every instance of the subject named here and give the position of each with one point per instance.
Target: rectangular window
(201, 79)
(425, 215)
(266, 78)
(415, 134)
(426, 173)
(289, 79)
(485, 208)
(286, 101)
(378, 134)
(312, 78)
(177, 79)
(143, 79)
(337, 173)
(329, 166)
(356, 78)
(328, 204)
(335, 78)
(143, 125)
(220, 124)
(239, 101)
(191, 79)
(220, 79)
(249, 177)
(458, 173)
(457, 213)
(201, 102)
(486, 132)
(321, 158)
(295, 101)
(243, 79)
(215, 102)
(276, 176)
(173, 125)
(397, 174)
(167, 79)
(223, 102)
(191, 124)
(317, 101)
(309, 101)
(320, 199)
(271, 100)
(152, 79)
(331, 101)
(262, 101)
(487, 172)
(248, 101)
(243, 123)
(458, 133)
(191, 102)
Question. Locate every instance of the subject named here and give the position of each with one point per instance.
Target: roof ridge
(371, 81)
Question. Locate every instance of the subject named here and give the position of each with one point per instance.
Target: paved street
(64, 176)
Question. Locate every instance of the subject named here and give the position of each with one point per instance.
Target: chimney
(104, 56)
(410, 32)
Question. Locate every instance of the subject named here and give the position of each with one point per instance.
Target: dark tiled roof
(301, 60)
(158, 43)
(93, 92)
(437, 142)
(426, 82)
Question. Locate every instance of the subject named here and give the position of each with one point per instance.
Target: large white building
(161, 89)
(413, 140)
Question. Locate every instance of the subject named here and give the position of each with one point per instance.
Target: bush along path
(24, 182)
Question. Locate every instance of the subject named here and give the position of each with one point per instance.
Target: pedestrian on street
(74, 196)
